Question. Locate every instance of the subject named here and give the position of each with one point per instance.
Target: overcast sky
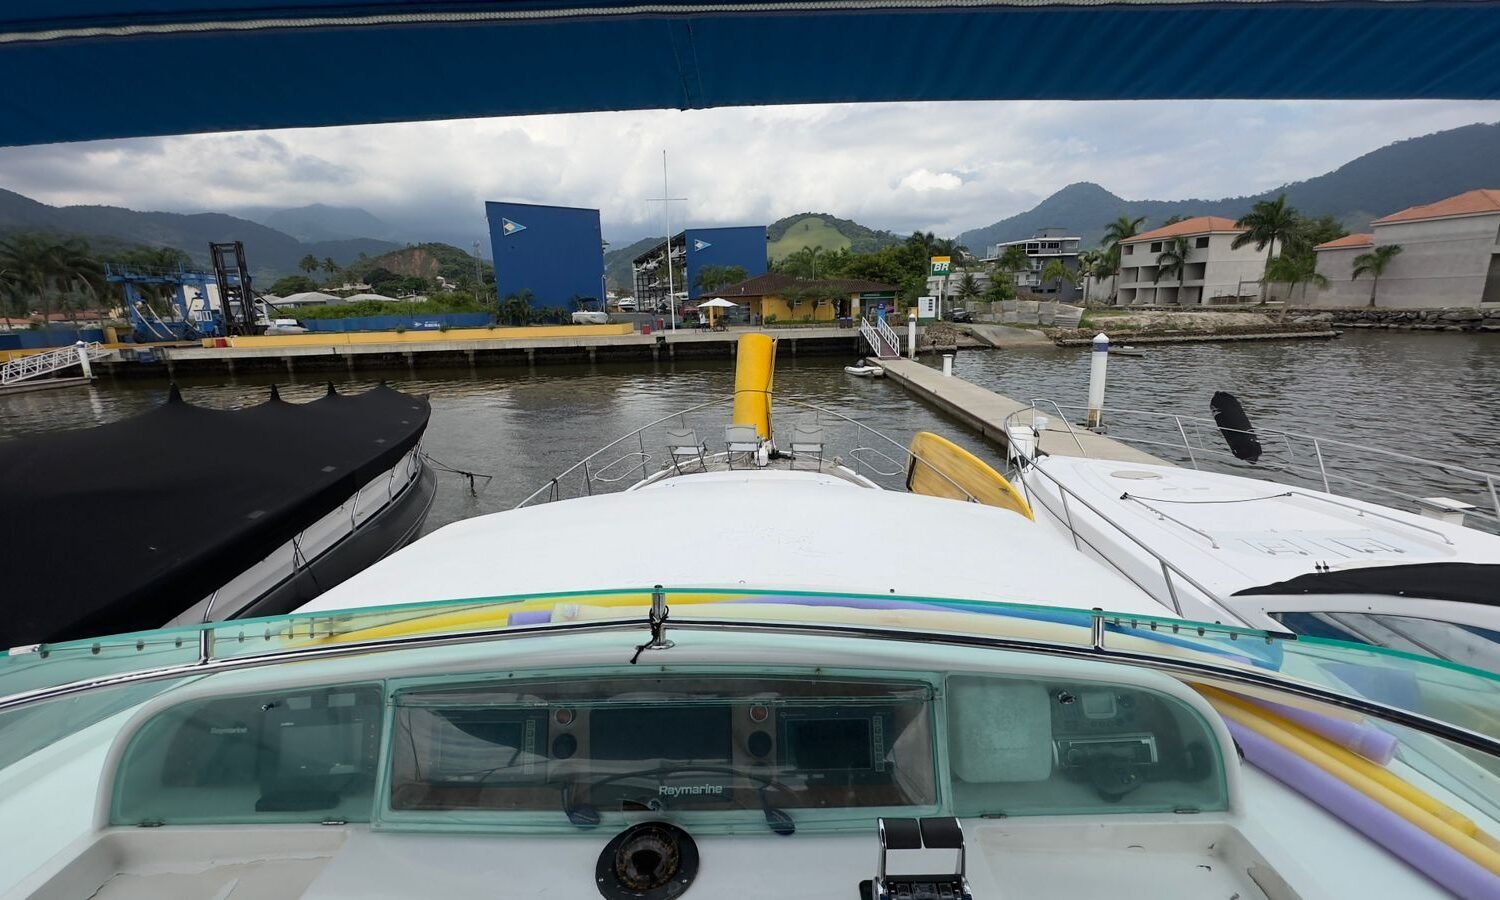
(944, 167)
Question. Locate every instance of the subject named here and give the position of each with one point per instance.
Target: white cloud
(923, 180)
(943, 167)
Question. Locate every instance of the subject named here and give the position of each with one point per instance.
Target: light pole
(666, 220)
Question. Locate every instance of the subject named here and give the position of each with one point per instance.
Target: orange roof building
(1214, 271)
(1470, 203)
(1450, 257)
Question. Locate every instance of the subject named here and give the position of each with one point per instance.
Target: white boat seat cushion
(1001, 732)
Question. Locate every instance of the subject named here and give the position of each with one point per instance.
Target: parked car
(960, 315)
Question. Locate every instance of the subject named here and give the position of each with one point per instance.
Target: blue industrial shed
(556, 252)
(743, 246)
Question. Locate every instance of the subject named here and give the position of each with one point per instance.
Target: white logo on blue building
(701, 245)
(508, 228)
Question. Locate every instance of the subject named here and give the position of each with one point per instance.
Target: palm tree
(1373, 264)
(44, 268)
(803, 263)
(329, 265)
(950, 248)
(1293, 269)
(1057, 271)
(1173, 261)
(924, 242)
(309, 264)
(1267, 223)
(1116, 232)
(968, 287)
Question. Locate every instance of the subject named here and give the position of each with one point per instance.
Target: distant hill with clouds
(271, 253)
(1406, 173)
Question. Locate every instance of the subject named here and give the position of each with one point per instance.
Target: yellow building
(791, 299)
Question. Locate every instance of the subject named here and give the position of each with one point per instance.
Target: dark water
(525, 426)
(1431, 396)
(1427, 395)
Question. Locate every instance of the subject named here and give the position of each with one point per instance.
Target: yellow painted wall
(344, 339)
(783, 310)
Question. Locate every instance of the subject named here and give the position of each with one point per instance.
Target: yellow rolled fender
(941, 468)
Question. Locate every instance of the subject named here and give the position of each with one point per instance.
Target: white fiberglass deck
(759, 529)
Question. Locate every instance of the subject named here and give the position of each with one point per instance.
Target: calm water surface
(1430, 396)
(1426, 395)
(525, 426)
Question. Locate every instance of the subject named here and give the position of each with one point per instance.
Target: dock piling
(1098, 372)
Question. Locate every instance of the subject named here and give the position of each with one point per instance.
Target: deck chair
(684, 445)
(740, 439)
(807, 439)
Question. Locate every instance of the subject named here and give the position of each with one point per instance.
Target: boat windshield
(1460, 702)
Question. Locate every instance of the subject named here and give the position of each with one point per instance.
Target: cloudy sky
(939, 166)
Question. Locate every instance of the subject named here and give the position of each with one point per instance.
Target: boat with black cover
(208, 514)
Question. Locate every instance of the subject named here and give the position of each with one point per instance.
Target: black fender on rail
(1235, 425)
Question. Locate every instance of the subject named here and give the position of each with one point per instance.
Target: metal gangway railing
(881, 338)
(36, 365)
(1342, 468)
(873, 458)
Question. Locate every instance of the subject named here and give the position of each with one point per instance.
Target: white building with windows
(1450, 256)
(1216, 272)
(1041, 248)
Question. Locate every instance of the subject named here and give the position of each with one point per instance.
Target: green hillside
(426, 261)
(792, 233)
(618, 272)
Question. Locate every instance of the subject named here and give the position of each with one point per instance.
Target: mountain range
(1394, 177)
(1406, 173)
(270, 252)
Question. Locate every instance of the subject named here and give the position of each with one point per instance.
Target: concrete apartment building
(1216, 271)
(1450, 256)
(1041, 248)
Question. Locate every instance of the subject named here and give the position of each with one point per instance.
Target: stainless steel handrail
(1168, 569)
(209, 664)
(551, 487)
(1485, 482)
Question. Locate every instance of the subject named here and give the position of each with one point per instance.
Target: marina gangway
(36, 365)
(881, 338)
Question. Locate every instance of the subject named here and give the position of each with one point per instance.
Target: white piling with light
(1098, 372)
(948, 365)
(83, 359)
(911, 338)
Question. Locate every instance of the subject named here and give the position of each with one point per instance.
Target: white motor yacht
(964, 708)
(1285, 543)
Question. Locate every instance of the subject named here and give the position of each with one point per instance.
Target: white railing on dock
(1338, 467)
(881, 338)
(37, 364)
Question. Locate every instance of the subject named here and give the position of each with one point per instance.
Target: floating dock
(985, 411)
(463, 348)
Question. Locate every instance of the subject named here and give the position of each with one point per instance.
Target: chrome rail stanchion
(1096, 628)
(1185, 445)
(1322, 470)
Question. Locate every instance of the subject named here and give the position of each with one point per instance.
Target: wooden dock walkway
(985, 411)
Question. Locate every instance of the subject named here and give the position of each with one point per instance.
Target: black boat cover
(123, 526)
(1459, 582)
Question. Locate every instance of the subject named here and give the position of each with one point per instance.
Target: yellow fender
(941, 468)
(755, 366)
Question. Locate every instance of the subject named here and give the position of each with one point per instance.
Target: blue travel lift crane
(195, 315)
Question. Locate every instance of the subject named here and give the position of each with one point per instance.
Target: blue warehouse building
(693, 251)
(743, 246)
(556, 252)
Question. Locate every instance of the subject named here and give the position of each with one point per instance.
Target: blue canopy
(88, 69)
